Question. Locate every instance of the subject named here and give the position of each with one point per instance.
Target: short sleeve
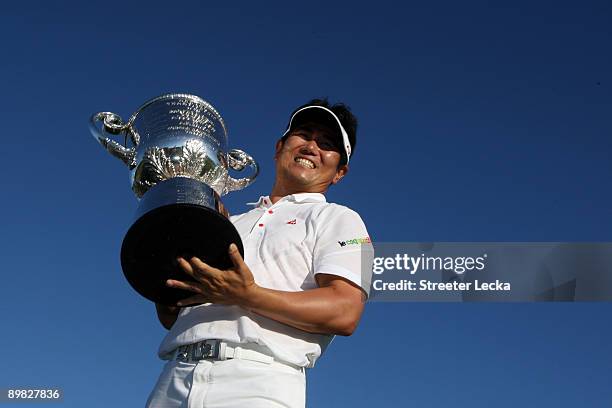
(343, 247)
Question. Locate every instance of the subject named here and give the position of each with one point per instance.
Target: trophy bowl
(175, 146)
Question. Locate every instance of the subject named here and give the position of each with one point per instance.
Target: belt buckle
(182, 353)
(206, 349)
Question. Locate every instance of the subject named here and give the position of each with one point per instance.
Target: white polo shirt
(286, 245)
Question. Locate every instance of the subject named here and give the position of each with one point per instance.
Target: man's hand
(221, 208)
(231, 287)
(333, 308)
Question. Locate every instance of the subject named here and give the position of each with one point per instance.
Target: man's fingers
(202, 269)
(195, 268)
(236, 258)
(223, 210)
(184, 285)
(185, 266)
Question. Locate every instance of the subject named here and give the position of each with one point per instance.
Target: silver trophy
(175, 146)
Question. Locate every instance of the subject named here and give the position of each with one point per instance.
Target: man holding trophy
(246, 321)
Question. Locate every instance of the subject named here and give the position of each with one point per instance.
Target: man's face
(308, 159)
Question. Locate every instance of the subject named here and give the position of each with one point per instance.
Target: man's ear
(341, 172)
(278, 148)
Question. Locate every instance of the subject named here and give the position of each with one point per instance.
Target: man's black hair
(347, 119)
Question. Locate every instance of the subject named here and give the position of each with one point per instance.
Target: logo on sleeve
(355, 241)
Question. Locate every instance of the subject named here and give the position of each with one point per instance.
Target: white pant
(230, 383)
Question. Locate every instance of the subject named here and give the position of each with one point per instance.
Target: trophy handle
(112, 124)
(238, 160)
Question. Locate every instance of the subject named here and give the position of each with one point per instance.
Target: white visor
(345, 139)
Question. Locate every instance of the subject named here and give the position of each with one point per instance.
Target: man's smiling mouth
(305, 162)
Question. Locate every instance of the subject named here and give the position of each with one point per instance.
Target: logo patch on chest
(292, 222)
(355, 241)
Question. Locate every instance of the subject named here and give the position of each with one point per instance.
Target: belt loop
(222, 350)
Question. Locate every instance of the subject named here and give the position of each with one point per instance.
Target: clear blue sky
(477, 123)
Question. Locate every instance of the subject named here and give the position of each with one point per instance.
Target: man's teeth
(305, 162)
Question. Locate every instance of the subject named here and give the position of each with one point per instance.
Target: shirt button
(261, 225)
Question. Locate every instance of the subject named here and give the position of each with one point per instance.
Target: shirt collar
(264, 201)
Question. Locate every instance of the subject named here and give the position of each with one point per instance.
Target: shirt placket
(258, 231)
